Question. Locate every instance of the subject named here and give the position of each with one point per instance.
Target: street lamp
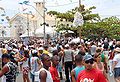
(44, 19)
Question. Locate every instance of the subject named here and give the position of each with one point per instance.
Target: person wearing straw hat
(116, 64)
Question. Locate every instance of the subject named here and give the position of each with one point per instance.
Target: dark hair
(3, 46)
(96, 55)
(26, 53)
(43, 56)
(54, 57)
(45, 46)
(55, 52)
(5, 56)
(81, 53)
(35, 54)
(78, 58)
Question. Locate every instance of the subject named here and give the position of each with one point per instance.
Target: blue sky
(104, 7)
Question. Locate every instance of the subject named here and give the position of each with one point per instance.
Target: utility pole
(79, 4)
(44, 20)
(28, 24)
(80, 26)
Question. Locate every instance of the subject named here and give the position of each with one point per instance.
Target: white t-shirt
(68, 55)
(117, 58)
(48, 79)
(34, 64)
(93, 49)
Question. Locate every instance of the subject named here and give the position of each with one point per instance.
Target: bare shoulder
(43, 74)
(4, 70)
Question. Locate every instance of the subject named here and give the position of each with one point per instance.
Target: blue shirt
(77, 70)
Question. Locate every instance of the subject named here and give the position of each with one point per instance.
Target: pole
(28, 24)
(44, 20)
(80, 26)
(79, 4)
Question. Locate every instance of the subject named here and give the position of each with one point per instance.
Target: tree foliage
(108, 27)
(93, 26)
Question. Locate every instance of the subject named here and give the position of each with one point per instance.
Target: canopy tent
(48, 30)
(26, 34)
(76, 40)
(66, 31)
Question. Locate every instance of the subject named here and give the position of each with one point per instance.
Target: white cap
(25, 48)
(99, 43)
(67, 45)
(9, 48)
(41, 48)
(34, 51)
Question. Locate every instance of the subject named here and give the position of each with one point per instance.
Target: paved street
(19, 79)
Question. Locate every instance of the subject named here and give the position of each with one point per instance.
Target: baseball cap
(87, 57)
(41, 48)
(5, 56)
(34, 51)
(67, 45)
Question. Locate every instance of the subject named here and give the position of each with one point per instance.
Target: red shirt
(54, 74)
(93, 75)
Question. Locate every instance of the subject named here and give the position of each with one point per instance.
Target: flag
(2, 14)
(78, 19)
(26, 2)
(2, 20)
(20, 3)
(1, 8)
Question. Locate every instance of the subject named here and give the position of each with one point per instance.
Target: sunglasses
(89, 61)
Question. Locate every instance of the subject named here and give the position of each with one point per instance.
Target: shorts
(25, 70)
(117, 72)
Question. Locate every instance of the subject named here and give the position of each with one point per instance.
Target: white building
(20, 23)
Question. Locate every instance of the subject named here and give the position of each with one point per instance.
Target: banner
(78, 19)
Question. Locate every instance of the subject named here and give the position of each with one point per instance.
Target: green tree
(108, 27)
(69, 17)
(93, 28)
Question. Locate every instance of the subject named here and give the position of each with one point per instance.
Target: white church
(27, 24)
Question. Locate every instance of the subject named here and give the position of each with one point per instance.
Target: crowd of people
(88, 61)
